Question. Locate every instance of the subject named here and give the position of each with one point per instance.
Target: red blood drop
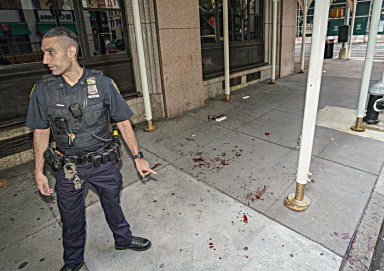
(245, 219)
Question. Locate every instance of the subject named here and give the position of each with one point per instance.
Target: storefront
(246, 35)
(102, 28)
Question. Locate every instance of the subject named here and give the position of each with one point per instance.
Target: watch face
(138, 155)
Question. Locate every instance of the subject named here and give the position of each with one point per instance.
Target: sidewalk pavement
(217, 202)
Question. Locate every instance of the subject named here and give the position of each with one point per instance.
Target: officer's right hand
(42, 185)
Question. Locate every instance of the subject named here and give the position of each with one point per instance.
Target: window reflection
(101, 4)
(244, 17)
(22, 24)
(104, 26)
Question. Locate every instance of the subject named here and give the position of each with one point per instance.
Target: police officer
(75, 104)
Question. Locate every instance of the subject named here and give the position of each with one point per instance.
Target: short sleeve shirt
(37, 116)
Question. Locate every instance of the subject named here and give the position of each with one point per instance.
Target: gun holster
(53, 159)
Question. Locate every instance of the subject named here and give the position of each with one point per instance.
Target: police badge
(92, 87)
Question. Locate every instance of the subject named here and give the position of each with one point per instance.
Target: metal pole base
(228, 98)
(272, 82)
(296, 205)
(359, 125)
(150, 127)
(343, 54)
(3, 184)
(297, 201)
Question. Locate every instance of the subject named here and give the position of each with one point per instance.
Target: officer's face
(57, 56)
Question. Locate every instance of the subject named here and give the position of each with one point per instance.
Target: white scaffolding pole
(274, 38)
(297, 201)
(303, 34)
(226, 51)
(351, 28)
(373, 28)
(143, 70)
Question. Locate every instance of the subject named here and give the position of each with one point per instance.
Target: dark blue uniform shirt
(37, 116)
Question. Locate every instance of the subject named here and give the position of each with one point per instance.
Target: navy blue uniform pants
(107, 180)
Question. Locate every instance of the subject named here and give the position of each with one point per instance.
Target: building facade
(338, 16)
(183, 48)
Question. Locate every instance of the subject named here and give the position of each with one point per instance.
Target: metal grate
(233, 82)
(16, 144)
(253, 76)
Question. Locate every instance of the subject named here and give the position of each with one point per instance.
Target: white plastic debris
(246, 97)
(220, 118)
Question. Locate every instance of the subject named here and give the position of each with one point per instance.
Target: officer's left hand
(143, 167)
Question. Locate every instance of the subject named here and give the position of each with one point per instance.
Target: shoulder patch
(33, 88)
(115, 86)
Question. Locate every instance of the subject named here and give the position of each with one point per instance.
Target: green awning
(17, 29)
(45, 26)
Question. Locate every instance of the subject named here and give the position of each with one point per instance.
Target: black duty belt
(110, 154)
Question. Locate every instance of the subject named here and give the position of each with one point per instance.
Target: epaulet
(95, 73)
(47, 77)
(51, 81)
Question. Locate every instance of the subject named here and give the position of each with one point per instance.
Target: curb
(364, 242)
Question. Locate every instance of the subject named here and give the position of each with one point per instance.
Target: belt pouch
(97, 160)
(112, 154)
(116, 147)
(105, 157)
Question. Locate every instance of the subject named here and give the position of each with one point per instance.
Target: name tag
(93, 96)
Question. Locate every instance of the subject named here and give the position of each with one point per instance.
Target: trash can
(375, 104)
(328, 52)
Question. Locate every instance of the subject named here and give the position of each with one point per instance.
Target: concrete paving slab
(295, 106)
(295, 84)
(251, 170)
(337, 100)
(272, 100)
(23, 210)
(342, 119)
(337, 86)
(278, 127)
(338, 197)
(238, 113)
(40, 251)
(284, 128)
(179, 136)
(350, 69)
(180, 216)
(360, 156)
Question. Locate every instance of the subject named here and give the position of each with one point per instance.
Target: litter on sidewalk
(218, 118)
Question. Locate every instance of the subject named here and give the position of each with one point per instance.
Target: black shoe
(138, 244)
(77, 268)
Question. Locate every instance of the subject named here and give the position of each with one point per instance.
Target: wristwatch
(138, 155)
